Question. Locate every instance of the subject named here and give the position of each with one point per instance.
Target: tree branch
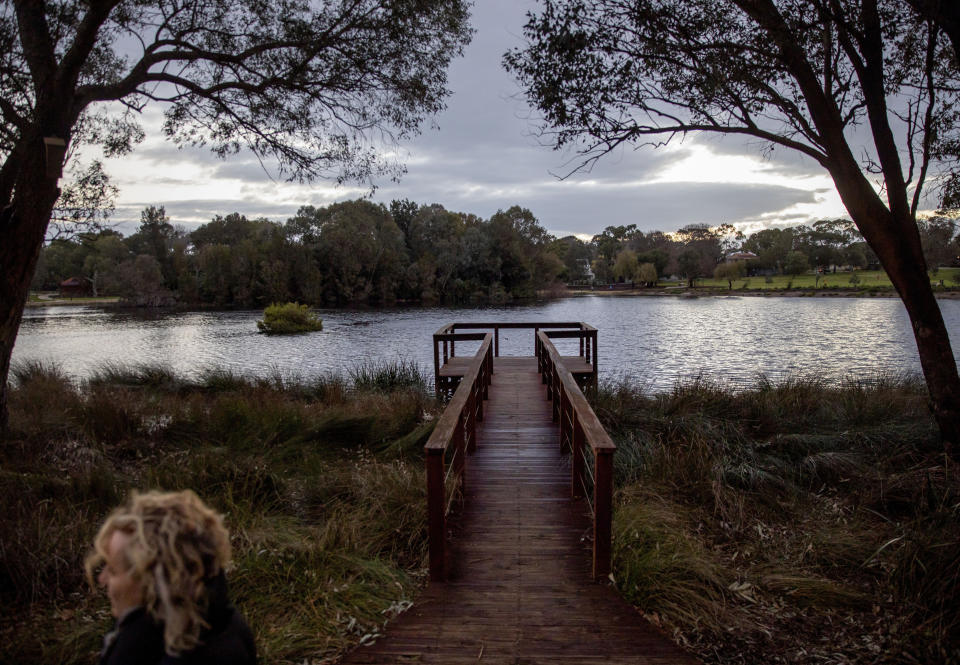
(35, 40)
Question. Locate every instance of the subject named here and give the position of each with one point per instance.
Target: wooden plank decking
(520, 588)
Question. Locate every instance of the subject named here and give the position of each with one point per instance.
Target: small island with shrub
(288, 318)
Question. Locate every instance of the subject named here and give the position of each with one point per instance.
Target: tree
(362, 250)
(729, 271)
(304, 85)
(626, 267)
(403, 212)
(575, 255)
(771, 247)
(106, 255)
(84, 205)
(648, 274)
(519, 239)
(937, 237)
(657, 257)
(690, 263)
(796, 263)
(155, 238)
(816, 77)
(433, 235)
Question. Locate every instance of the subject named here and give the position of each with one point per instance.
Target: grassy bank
(858, 280)
(797, 522)
(321, 484)
(861, 283)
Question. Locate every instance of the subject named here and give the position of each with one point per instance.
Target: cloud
(191, 213)
(238, 168)
(485, 155)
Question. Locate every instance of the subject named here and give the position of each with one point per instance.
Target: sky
(481, 155)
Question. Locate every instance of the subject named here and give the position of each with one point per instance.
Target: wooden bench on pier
(519, 510)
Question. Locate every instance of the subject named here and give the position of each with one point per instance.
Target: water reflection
(655, 340)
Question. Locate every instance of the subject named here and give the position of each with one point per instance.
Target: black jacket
(138, 639)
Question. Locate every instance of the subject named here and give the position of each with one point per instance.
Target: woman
(163, 557)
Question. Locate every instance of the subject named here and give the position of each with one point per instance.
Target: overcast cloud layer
(482, 156)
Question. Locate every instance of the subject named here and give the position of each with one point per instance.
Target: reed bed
(321, 484)
(797, 521)
(793, 521)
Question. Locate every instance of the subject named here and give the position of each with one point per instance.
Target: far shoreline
(659, 292)
(712, 292)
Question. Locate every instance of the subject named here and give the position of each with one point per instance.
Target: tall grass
(749, 521)
(388, 375)
(321, 486)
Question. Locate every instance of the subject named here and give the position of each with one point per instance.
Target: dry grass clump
(320, 482)
(796, 521)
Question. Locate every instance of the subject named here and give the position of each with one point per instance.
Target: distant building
(740, 256)
(588, 275)
(74, 287)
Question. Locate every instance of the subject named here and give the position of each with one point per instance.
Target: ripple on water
(654, 340)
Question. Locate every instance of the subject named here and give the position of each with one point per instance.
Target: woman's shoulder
(232, 644)
(138, 640)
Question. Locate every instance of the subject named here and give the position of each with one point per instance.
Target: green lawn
(54, 297)
(869, 279)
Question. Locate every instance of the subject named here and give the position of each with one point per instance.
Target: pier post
(436, 519)
(603, 512)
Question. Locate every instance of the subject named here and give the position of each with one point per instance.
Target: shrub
(288, 318)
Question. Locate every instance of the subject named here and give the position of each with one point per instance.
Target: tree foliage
(796, 263)
(312, 88)
(729, 271)
(647, 274)
(346, 253)
(867, 89)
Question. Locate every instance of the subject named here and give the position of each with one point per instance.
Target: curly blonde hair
(176, 544)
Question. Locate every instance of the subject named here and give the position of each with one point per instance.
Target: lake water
(655, 340)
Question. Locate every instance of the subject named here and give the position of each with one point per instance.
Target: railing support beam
(436, 516)
(603, 512)
(577, 467)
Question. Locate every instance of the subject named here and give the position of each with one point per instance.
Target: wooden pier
(522, 580)
(449, 368)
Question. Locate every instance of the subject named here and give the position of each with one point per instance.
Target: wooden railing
(451, 440)
(591, 449)
(588, 346)
(446, 338)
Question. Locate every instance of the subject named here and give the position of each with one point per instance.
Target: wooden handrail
(455, 433)
(588, 345)
(496, 326)
(447, 341)
(580, 427)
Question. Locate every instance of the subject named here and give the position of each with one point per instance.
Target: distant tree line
(362, 252)
(624, 253)
(346, 253)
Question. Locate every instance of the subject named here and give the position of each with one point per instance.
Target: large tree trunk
(896, 242)
(936, 355)
(23, 223)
